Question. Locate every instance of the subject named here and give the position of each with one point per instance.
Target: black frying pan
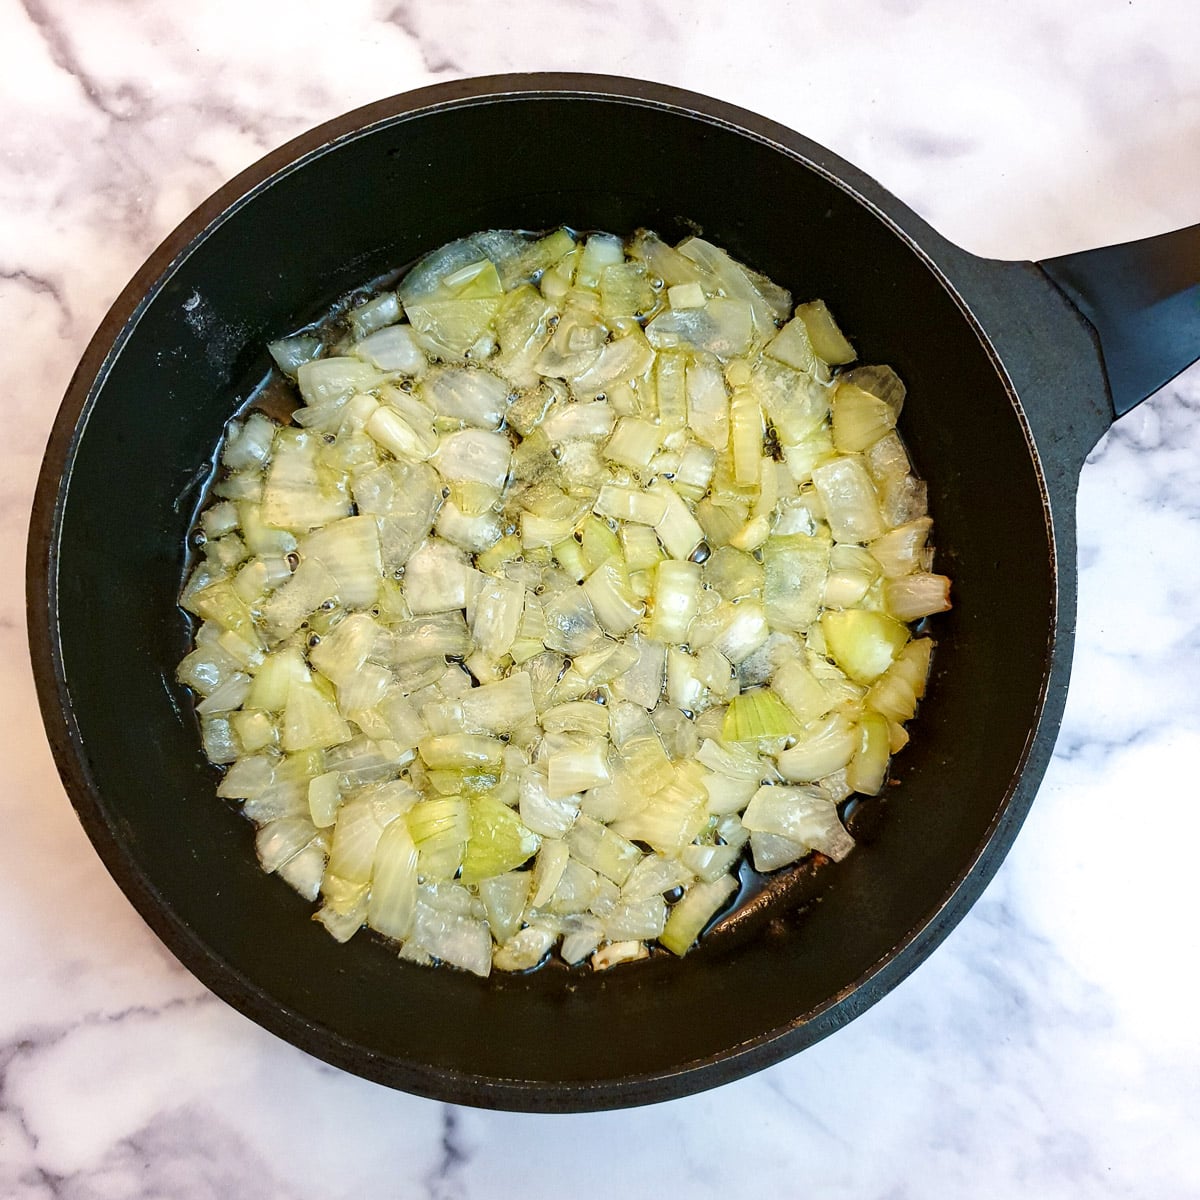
(1014, 371)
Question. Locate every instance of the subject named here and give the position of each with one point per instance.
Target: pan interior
(373, 202)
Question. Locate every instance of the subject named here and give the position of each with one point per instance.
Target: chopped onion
(458, 940)
(621, 359)
(901, 551)
(392, 903)
(850, 501)
(671, 819)
(360, 825)
(745, 418)
(867, 770)
(394, 348)
(631, 504)
(472, 395)
(827, 340)
(498, 841)
(823, 747)
(744, 630)
(544, 814)
(331, 379)
(436, 578)
(636, 919)
(578, 767)
(501, 706)
(689, 917)
(599, 847)
(618, 952)
(757, 717)
(917, 595)
(474, 457)
(710, 862)
(859, 418)
(708, 401)
(676, 600)
(349, 551)
(576, 576)
(504, 899)
(863, 643)
(290, 354)
(281, 840)
(613, 601)
(795, 571)
(802, 815)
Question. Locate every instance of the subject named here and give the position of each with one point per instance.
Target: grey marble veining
(1049, 1047)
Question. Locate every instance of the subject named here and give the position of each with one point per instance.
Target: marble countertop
(1049, 1047)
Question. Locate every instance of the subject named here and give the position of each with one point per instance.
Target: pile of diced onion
(585, 568)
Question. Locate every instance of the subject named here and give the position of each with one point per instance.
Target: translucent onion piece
(349, 551)
(440, 829)
(849, 499)
(497, 842)
(643, 682)
(548, 871)
(360, 824)
(710, 863)
(900, 551)
(802, 815)
(757, 716)
(393, 897)
(621, 359)
(917, 595)
(769, 851)
(475, 396)
(863, 643)
(796, 685)
(614, 953)
(310, 718)
(295, 494)
(823, 747)
(458, 940)
(859, 418)
(280, 840)
(795, 570)
(581, 936)
(501, 706)
(524, 950)
(636, 919)
(708, 402)
(654, 875)
(867, 770)
(599, 847)
(827, 340)
(578, 767)
(504, 899)
(571, 623)
(330, 379)
(694, 911)
(612, 599)
(550, 816)
(304, 871)
(291, 353)
(676, 600)
(437, 578)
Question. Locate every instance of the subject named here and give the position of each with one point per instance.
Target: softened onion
(582, 571)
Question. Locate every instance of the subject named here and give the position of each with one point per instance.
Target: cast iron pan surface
(1006, 395)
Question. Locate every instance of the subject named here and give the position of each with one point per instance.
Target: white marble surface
(1050, 1047)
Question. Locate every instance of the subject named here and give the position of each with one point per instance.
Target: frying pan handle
(1143, 301)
